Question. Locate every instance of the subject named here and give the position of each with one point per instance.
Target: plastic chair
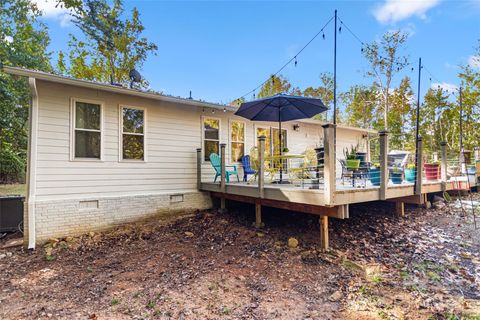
(216, 164)
(247, 168)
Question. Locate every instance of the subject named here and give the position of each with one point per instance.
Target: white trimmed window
(87, 127)
(237, 140)
(211, 137)
(132, 142)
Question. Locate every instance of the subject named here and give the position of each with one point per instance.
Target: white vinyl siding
(174, 132)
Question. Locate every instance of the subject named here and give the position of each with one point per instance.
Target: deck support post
(222, 175)
(324, 232)
(383, 164)
(199, 168)
(419, 167)
(443, 146)
(261, 177)
(329, 168)
(400, 209)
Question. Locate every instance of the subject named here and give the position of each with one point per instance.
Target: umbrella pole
(280, 143)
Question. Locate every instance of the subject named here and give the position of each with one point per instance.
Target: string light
(293, 58)
(296, 61)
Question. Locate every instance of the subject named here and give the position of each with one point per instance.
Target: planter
(410, 175)
(362, 156)
(432, 171)
(396, 178)
(353, 164)
(375, 176)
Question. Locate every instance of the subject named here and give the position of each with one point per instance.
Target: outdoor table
(282, 158)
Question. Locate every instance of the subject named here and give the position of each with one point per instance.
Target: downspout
(32, 162)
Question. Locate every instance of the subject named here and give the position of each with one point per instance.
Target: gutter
(32, 163)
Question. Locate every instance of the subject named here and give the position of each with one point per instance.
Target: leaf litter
(218, 266)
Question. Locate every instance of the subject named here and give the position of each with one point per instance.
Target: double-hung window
(87, 130)
(237, 140)
(132, 133)
(211, 137)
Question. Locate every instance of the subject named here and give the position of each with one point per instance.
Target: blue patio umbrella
(281, 108)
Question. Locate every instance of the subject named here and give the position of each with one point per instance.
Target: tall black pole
(461, 121)
(335, 72)
(417, 124)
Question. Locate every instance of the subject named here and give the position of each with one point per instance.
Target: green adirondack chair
(216, 164)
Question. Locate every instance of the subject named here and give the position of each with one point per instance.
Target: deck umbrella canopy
(281, 108)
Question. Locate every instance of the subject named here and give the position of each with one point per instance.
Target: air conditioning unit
(11, 213)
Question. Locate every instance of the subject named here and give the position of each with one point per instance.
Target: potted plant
(410, 172)
(396, 175)
(432, 170)
(375, 174)
(285, 150)
(351, 158)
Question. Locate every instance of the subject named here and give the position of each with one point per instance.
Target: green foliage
(112, 44)
(275, 85)
(350, 154)
(386, 60)
(360, 106)
(23, 43)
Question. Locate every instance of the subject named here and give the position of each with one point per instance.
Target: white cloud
(50, 10)
(474, 62)
(450, 87)
(392, 11)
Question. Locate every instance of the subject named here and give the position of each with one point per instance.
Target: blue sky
(223, 49)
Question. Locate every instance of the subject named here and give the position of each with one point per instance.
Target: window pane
(132, 147)
(87, 116)
(265, 132)
(87, 144)
(132, 120)
(237, 151)
(211, 127)
(276, 141)
(210, 147)
(238, 131)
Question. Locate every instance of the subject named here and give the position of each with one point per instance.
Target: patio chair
(397, 159)
(216, 164)
(247, 168)
(346, 173)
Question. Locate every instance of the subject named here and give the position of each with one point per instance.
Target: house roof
(45, 76)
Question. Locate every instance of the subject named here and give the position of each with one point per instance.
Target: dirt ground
(218, 266)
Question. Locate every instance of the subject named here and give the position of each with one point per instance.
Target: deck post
(400, 208)
(443, 146)
(261, 177)
(199, 168)
(222, 174)
(329, 167)
(419, 167)
(324, 232)
(383, 164)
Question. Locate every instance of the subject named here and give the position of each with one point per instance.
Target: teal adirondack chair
(216, 164)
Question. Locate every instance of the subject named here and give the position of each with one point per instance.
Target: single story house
(101, 155)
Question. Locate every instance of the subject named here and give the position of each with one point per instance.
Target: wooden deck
(331, 198)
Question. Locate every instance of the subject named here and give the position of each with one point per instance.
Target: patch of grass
(50, 257)
(114, 301)
(433, 275)
(383, 315)
(150, 304)
(404, 275)
(13, 189)
(376, 279)
(363, 290)
(416, 287)
(226, 311)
